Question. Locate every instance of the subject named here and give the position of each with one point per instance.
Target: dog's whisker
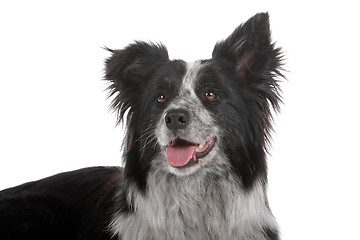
(146, 131)
(147, 141)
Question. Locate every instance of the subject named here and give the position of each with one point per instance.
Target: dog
(194, 152)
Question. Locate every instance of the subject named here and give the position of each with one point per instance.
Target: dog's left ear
(249, 47)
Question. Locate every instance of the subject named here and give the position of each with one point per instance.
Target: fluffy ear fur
(129, 69)
(256, 60)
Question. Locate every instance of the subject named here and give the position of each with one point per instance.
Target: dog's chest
(193, 210)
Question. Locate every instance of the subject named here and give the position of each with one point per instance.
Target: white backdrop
(54, 115)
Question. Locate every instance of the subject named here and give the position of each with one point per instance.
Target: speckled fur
(196, 207)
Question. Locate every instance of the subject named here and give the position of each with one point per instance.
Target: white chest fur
(194, 208)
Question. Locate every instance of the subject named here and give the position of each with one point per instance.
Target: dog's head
(206, 116)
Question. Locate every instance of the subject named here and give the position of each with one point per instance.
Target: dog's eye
(210, 95)
(161, 98)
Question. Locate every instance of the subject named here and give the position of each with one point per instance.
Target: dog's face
(206, 116)
(187, 131)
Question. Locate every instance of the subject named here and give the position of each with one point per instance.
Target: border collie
(194, 152)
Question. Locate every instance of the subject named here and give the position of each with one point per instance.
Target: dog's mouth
(182, 153)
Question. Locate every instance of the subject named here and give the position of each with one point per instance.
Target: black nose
(177, 119)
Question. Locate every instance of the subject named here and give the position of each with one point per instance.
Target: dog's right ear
(129, 69)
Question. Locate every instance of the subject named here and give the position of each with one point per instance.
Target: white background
(54, 115)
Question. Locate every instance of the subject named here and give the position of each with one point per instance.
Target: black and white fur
(222, 105)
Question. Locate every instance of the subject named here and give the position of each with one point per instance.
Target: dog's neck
(195, 207)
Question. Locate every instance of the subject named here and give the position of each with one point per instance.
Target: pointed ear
(128, 71)
(249, 48)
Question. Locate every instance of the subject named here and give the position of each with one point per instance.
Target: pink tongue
(180, 155)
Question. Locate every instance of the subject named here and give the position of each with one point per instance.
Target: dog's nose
(177, 119)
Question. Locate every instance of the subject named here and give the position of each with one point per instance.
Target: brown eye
(161, 98)
(210, 95)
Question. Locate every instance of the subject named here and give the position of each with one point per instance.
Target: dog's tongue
(179, 156)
